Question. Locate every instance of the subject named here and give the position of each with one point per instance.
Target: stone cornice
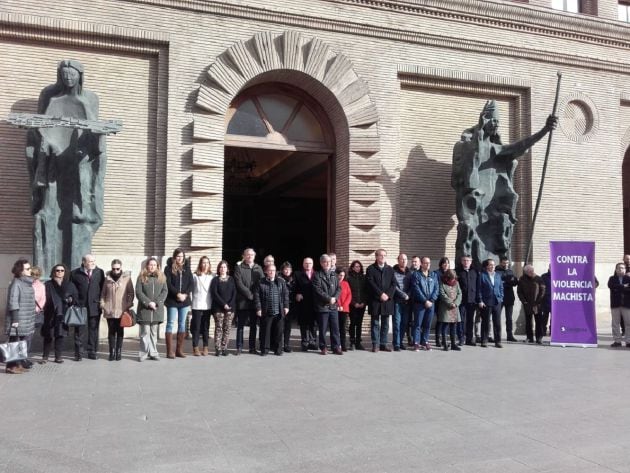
(515, 16)
(417, 37)
(25, 27)
(81, 33)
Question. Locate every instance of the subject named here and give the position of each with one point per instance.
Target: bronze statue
(66, 157)
(482, 176)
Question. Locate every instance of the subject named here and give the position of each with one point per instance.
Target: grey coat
(21, 306)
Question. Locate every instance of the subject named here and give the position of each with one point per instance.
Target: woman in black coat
(60, 294)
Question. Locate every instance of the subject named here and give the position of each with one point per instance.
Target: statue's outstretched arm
(515, 150)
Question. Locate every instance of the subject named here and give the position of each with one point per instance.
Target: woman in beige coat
(117, 297)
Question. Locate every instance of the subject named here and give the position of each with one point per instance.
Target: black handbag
(75, 316)
(13, 351)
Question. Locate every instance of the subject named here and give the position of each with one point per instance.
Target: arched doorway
(625, 182)
(278, 174)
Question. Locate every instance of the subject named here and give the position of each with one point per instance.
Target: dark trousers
(78, 340)
(541, 325)
(270, 330)
(343, 317)
(200, 325)
(467, 325)
(451, 328)
(286, 328)
(92, 333)
(242, 318)
(58, 347)
(356, 324)
(494, 312)
(438, 324)
(115, 333)
(545, 316)
(326, 319)
(306, 319)
(508, 318)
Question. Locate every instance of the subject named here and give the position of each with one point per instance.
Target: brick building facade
(385, 89)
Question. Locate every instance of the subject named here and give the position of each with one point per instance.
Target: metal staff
(544, 171)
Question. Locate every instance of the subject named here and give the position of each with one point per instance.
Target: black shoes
(498, 345)
(359, 346)
(615, 345)
(287, 349)
(455, 347)
(92, 356)
(510, 338)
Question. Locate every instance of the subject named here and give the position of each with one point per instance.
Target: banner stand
(573, 318)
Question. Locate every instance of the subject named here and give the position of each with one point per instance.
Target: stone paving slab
(518, 409)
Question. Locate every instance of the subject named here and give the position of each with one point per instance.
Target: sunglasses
(60, 270)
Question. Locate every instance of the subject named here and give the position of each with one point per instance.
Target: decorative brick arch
(329, 77)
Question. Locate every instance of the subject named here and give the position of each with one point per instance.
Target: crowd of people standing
(467, 303)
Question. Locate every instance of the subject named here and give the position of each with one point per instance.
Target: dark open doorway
(277, 204)
(279, 179)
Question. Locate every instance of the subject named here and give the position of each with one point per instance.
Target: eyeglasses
(116, 269)
(60, 270)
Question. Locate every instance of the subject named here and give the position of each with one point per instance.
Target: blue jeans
(178, 313)
(422, 323)
(379, 329)
(401, 320)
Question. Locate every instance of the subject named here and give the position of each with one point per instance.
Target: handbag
(75, 316)
(128, 318)
(13, 351)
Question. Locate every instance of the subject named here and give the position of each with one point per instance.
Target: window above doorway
(277, 119)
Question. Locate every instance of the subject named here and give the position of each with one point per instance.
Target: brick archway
(327, 76)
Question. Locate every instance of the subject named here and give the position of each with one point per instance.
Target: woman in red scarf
(448, 309)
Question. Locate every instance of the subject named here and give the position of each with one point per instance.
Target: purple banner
(573, 293)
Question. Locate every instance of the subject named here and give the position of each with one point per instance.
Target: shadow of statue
(426, 210)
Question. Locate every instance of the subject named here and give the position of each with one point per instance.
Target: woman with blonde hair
(151, 292)
(201, 305)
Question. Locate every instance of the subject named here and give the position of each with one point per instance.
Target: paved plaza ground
(522, 408)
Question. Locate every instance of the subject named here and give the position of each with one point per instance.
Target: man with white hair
(531, 292)
(89, 280)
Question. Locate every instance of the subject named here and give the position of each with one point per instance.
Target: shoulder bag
(75, 316)
(128, 318)
(13, 351)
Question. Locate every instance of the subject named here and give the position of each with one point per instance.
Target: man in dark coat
(326, 291)
(467, 277)
(509, 283)
(89, 280)
(381, 283)
(304, 304)
(246, 276)
(531, 292)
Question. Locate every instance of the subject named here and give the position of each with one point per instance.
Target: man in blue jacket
(490, 300)
(425, 289)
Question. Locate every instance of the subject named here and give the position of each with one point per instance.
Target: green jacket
(151, 291)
